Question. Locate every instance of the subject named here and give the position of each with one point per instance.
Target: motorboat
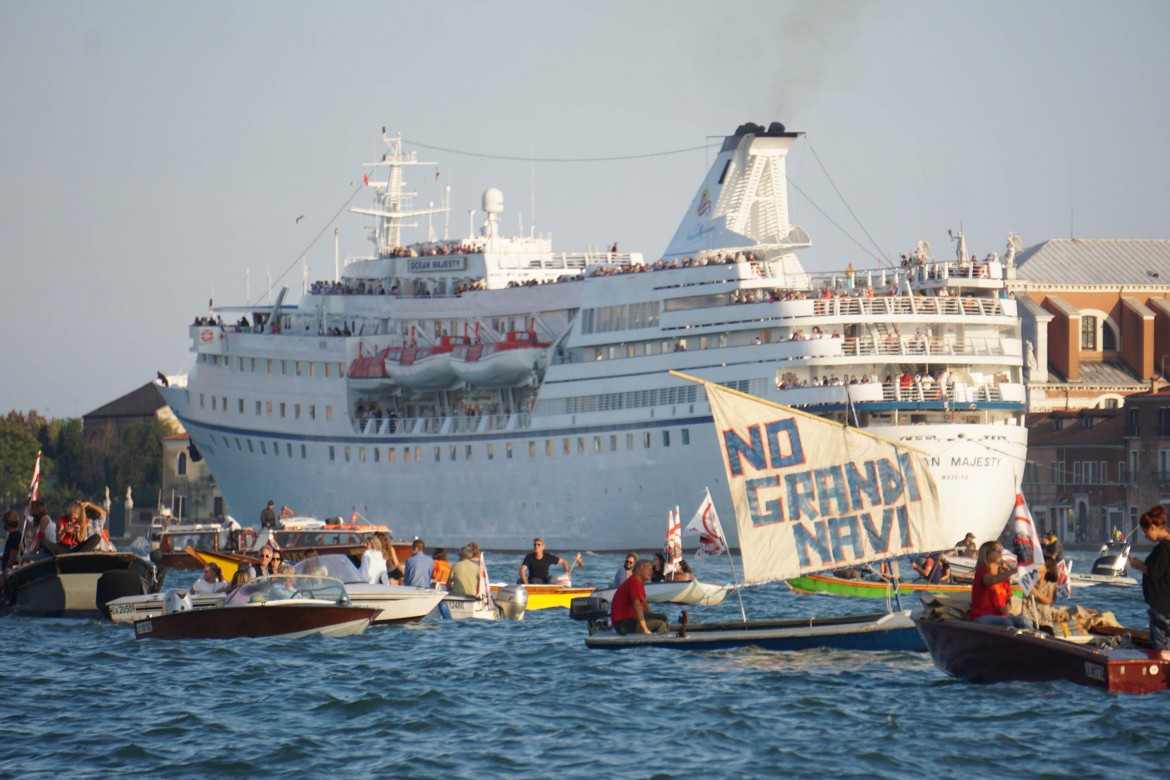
(873, 588)
(687, 592)
(75, 584)
(1111, 567)
(395, 603)
(876, 631)
(554, 595)
(285, 605)
(1117, 659)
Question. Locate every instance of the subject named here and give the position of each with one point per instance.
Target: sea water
(527, 699)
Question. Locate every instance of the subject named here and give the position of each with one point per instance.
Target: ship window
(597, 444)
(613, 443)
(268, 407)
(646, 440)
(223, 403)
(565, 446)
(297, 411)
(580, 445)
(391, 455)
(250, 447)
(252, 365)
(181, 466)
(532, 449)
(298, 368)
(466, 453)
(241, 406)
(257, 408)
(214, 408)
(508, 451)
(666, 438)
(270, 365)
(348, 455)
(282, 408)
(685, 435)
(377, 455)
(332, 453)
(629, 441)
(327, 370)
(548, 445)
(312, 411)
(304, 452)
(704, 342)
(438, 454)
(488, 452)
(312, 369)
(201, 400)
(630, 350)
(406, 454)
(276, 449)
(238, 445)
(329, 413)
(241, 364)
(417, 455)
(361, 454)
(263, 449)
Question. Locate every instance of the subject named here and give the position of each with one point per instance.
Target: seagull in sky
(302, 216)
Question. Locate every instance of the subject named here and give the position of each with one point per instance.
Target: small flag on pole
(673, 547)
(1026, 546)
(706, 524)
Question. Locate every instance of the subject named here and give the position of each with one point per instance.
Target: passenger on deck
(264, 566)
(1155, 571)
(625, 570)
(464, 577)
(394, 572)
(928, 569)
(683, 573)
(46, 530)
(629, 613)
(12, 542)
(658, 571)
(442, 568)
(373, 566)
(534, 570)
(991, 590)
(211, 582)
(419, 567)
(966, 546)
(1038, 604)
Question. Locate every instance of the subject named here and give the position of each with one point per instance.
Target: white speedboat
(395, 603)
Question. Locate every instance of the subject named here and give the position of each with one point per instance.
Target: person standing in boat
(419, 567)
(12, 542)
(534, 570)
(991, 590)
(1155, 571)
(268, 516)
(464, 577)
(626, 570)
(442, 568)
(1052, 547)
(629, 613)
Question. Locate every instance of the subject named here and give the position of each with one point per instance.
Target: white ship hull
(592, 443)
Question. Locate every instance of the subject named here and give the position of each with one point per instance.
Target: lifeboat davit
(507, 363)
(424, 368)
(369, 373)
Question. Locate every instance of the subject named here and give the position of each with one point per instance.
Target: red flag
(366, 179)
(1026, 545)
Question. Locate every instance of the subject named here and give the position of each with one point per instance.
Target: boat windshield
(285, 587)
(333, 565)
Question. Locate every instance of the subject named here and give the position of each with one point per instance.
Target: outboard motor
(1112, 560)
(174, 601)
(512, 601)
(593, 609)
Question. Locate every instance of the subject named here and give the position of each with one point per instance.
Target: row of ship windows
(311, 368)
(582, 445)
(633, 399)
(267, 408)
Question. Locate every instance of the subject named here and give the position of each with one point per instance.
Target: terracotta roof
(1106, 429)
(1143, 262)
(143, 402)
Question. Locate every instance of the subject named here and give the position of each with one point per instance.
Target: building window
(1089, 333)
(1164, 421)
(181, 466)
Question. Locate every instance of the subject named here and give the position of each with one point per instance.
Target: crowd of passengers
(926, 383)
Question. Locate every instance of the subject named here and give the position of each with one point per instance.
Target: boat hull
(838, 586)
(877, 632)
(505, 368)
(551, 596)
(268, 620)
(692, 593)
(982, 653)
(66, 585)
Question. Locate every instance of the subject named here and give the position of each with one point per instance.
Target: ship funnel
(743, 202)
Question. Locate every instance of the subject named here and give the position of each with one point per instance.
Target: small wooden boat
(1116, 659)
(75, 584)
(277, 606)
(872, 632)
(690, 593)
(876, 589)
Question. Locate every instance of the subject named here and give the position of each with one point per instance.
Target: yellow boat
(552, 596)
(229, 563)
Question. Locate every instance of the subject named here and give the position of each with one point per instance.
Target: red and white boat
(514, 361)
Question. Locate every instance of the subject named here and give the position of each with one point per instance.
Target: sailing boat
(809, 495)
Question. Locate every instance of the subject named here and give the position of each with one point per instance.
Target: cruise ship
(492, 389)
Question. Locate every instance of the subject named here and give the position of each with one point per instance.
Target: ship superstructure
(490, 388)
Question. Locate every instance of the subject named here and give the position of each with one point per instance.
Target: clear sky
(155, 154)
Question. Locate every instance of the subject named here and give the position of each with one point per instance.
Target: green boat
(839, 586)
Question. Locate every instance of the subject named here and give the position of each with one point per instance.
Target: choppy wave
(527, 699)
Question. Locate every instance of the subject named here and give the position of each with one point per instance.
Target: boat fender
(176, 601)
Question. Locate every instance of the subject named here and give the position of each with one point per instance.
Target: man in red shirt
(628, 613)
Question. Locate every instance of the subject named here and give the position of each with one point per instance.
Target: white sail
(810, 494)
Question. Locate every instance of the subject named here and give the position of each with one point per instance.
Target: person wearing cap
(1052, 547)
(966, 545)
